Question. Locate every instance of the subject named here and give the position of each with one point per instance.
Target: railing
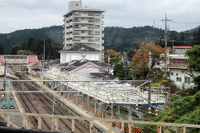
(90, 40)
(90, 33)
(76, 33)
(90, 27)
(93, 120)
(76, 27)
(90, 20)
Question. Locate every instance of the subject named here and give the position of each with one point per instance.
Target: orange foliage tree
(140, 60)
(115, 57)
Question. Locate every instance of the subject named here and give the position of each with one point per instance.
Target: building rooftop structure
(18, 59)
(111, 92)
(182, 47)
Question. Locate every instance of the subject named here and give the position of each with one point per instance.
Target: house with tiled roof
(91, 70)
(79, 52)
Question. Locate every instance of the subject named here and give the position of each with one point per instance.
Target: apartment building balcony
(76, 27)
(76, 20)
(76, 40)
(92, 20)
(90, 33)
(76, 33)
(90, 40)
(91, 27)
(82, 22)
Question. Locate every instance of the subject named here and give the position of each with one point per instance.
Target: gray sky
(26, 14)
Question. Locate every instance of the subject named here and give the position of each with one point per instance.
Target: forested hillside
(21, 36)
(118, 38)
(115, 37)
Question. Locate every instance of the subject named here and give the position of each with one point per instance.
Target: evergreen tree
(1, 49)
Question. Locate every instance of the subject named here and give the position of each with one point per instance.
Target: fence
(93, 120)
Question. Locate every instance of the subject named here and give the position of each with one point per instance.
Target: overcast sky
(26, 14)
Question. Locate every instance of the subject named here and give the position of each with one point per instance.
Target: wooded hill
(115, 37)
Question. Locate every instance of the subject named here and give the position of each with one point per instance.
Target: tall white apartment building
(83, 25)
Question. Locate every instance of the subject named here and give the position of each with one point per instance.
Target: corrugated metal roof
(179, 57)
(183, 47)
(82, 48)
(2, 59)
(32, 59)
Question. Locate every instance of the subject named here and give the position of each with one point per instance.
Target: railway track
(31, 102)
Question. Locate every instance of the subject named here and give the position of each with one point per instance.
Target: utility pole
(44, 51)
(125, 61)
(149, 90)
(4, 78)
(42, 75)
(166, 20)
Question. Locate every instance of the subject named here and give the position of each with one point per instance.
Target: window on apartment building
(172, 73)
(97, 13)
(97, 26)
(178, 79)
(76, 13)
(90, 14)
(76, 32)
(187, 80)
(76, 38)
(75, 26)
(83, 31)
(75, 19)
(97, 38)
(97, 45)
(97, 32)
(97, 19)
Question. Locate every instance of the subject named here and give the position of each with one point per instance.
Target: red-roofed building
(18, 59)
(180, 49)
(2, 59)
(32, 59)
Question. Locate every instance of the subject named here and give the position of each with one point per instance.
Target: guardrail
(91, 120)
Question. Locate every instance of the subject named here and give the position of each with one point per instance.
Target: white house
(179, 74)
(79, 52)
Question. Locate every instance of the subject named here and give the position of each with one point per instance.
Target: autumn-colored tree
(140, 60)
(115, 57)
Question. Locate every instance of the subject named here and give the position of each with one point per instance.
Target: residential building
(178, 59)
(180, 75)
(83, 25)
(90, 70)
(80, 52)
(180, 49)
